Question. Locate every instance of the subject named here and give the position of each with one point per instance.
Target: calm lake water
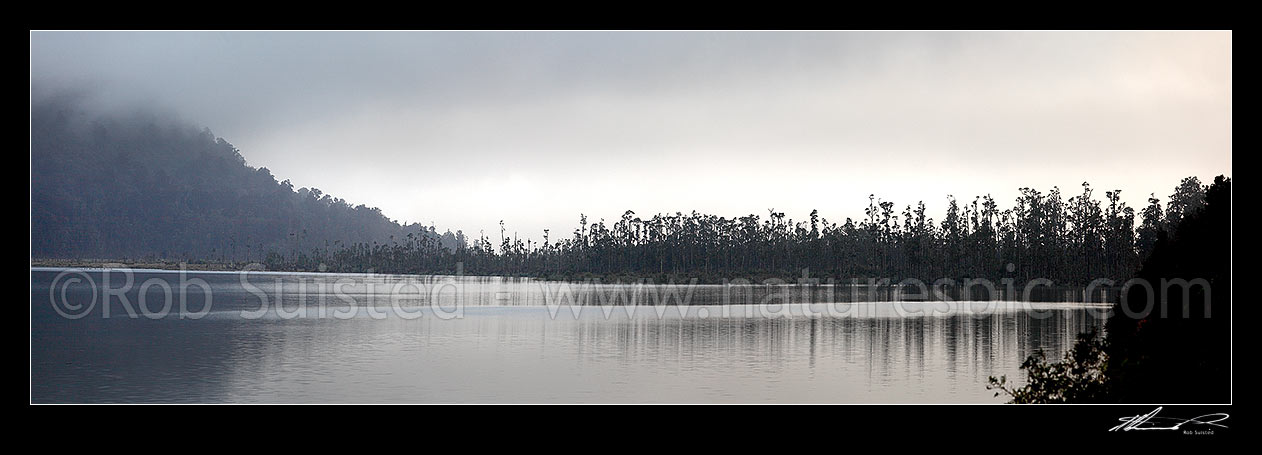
(105, 336)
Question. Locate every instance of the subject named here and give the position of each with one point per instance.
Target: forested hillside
(138, 185)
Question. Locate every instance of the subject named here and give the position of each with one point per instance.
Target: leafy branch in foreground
(1078, 378)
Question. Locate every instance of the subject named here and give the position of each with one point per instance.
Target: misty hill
(137, 185)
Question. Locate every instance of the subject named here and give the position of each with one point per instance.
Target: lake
(144, 336)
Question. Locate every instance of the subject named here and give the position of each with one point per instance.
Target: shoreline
(199, 266)
(585, 278)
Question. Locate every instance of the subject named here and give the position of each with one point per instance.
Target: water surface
(283, 338)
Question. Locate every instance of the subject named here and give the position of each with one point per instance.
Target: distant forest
(133, 187)
(1070, 241)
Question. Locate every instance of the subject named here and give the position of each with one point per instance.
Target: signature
(1150, 421)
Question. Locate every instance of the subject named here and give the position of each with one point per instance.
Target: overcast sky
(463, 129)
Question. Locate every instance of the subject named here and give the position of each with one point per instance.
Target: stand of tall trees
(1044, 235)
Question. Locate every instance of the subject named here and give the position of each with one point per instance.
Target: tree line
(1043, 235)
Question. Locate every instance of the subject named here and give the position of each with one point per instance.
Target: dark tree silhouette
(1168, 338)
(1178, 350)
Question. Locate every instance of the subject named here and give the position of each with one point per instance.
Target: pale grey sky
(463, 129)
